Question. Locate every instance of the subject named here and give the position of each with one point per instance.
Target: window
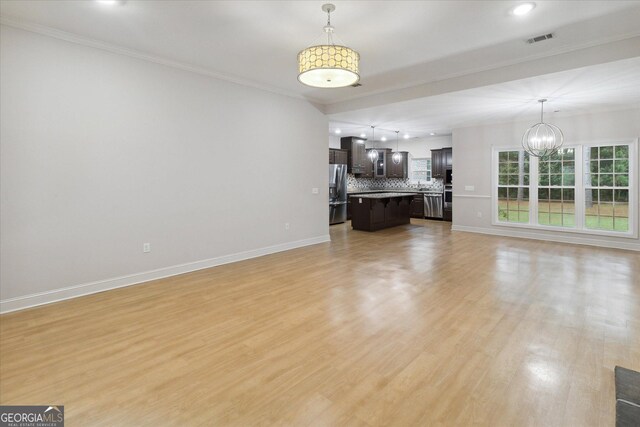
(420, 170)
(513, 186)
(583, 188)
(557, 189)
(606, 184)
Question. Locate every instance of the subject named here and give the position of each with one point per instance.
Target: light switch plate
(315, 190)
(469, 188)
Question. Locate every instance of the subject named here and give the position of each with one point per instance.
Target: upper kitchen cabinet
(337, 157)
(380, 166)
(400, 170)
(357, 154)
(367, 170)
(437, 163)
(447, 157)
(442, 164)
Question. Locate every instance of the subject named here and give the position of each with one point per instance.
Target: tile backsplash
(355, 183)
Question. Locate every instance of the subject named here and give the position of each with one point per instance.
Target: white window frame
(579, 228)
(429, 169)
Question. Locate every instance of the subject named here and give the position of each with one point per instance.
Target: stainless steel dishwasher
(433, 205)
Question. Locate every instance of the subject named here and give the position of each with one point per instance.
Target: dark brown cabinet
(399, 170)
(417, 206)
(441, 161)
(337, 157)
(356, 154)
(437, 163)
(447, 214)
(447, 157)
(367, 170)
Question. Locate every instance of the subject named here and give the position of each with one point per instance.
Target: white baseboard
(559, 238)
(27, 301)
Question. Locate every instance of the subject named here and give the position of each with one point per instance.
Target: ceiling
(603, 87)
(401, 43)
(422, 62)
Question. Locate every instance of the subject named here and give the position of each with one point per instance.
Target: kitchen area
(377, 188)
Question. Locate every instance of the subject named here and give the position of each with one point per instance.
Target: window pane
(621, 166)
(513, 180)
(555, 167)
(606, 180)
(606, 195)
(543, 194)
(555, 180)
(622, 152)
(503, 156)
(543, 207)
(503, 179)
(606, 152)
(543, 180)
(568, 194)
(606, 166)
(594, 152)
(543, 218)
(568, 180)
(568, 167)
(621, 196)
(503, 168)
(569, 154)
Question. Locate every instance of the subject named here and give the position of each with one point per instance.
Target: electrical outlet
(315, 190)
(469, 188)
(286, 225)
(146, 247)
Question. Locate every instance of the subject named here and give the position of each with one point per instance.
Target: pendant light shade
(397, 156)
(542, 139)
(373, 153)
(328, 65)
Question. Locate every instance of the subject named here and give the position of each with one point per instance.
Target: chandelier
(328, 65)
(542, 139)
(397, 156)
(373, 153)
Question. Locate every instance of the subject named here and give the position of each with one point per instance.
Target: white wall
(418, 147)
(472, 147)
(102, 152)
(421, 147)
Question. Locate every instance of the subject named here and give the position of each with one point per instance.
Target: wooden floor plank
(414, 325)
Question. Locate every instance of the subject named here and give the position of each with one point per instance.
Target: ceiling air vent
(541, 38)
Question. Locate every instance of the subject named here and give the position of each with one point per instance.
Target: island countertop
(382, 195)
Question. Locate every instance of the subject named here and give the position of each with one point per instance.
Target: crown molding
(119, 50)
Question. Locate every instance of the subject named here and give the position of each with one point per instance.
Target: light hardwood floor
(414, 325)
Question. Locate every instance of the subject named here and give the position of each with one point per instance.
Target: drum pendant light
(397, 156)
(373, 153)
(328, 65)
(542, 139)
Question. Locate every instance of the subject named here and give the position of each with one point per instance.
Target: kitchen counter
(371, 212)
(384, 195)
(393, 190)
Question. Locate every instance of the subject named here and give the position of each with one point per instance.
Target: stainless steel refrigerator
(337, 193)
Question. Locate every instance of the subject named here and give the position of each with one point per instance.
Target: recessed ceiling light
(523, 9)
(338, 131)
(384, 138)
(110, 2)
(406, 136)
(363, 135)
(432, 134)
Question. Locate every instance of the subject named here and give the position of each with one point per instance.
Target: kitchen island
(371, 212)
